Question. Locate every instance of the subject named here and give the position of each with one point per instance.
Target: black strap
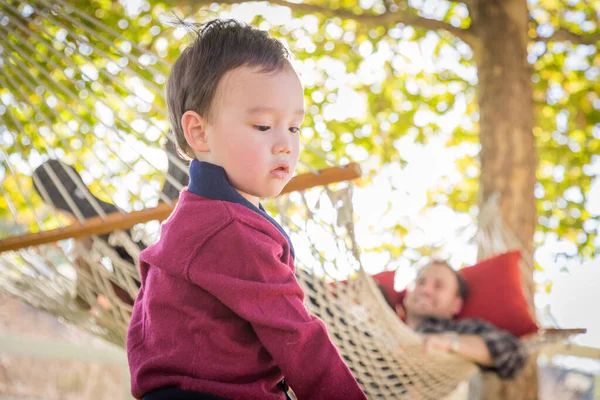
(175, 393)
(283, 385)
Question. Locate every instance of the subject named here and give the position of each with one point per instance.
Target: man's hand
(438, 341)
(470, 347)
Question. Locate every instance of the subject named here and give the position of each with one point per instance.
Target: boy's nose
(283, 143)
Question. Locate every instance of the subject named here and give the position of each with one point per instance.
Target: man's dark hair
(463, 287)
(219, 46)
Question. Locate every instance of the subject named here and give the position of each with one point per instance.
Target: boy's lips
(281, 171)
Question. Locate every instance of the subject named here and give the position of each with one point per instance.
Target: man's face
(435, 293)
(254, 134)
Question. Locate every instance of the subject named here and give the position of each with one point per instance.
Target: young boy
(220, 313)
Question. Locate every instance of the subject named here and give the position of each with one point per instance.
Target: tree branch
(465, 2)
(400, 16)
(565, 35)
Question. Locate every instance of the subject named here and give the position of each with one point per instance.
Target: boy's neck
(204, 157)
(252, 199)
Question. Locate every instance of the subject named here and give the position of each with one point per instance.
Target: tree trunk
(508, 160)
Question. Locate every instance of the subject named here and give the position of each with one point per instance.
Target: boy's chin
(272, 190)
(269, 194)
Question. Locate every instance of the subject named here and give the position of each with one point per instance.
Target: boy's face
(253, 132)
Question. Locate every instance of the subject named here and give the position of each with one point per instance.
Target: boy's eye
(262, 128)
(295, 130)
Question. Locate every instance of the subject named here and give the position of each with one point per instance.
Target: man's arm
(469, 347)
(491, 348)
(507, 351)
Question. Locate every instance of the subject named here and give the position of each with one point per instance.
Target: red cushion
(386, 280)
(496, 295)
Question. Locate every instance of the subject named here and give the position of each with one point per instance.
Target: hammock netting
(75, 90)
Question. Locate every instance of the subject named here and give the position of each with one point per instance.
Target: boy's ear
(194, 129)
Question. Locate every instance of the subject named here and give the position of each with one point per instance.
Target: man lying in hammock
(430, 306)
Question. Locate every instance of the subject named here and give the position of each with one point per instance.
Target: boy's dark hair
(463, 287)
(219, 46)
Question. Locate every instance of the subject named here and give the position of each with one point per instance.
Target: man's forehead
(438, 270)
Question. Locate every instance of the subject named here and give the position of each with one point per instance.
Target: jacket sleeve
(242, 267)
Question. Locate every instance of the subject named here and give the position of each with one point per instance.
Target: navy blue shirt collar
(210, 181)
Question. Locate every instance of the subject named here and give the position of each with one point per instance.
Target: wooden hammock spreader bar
(325, 176)
(118, 221)
(92, 226)
(560, 331)
(570, 349)
(545, 337)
